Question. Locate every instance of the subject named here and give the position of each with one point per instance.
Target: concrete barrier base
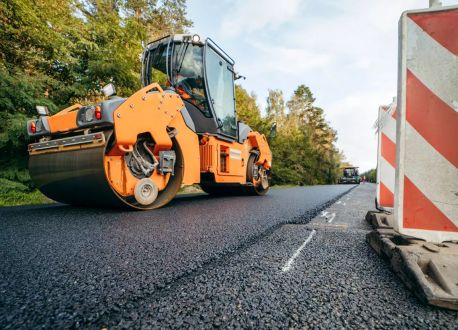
(429, 270)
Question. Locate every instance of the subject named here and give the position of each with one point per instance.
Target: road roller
(179, 129)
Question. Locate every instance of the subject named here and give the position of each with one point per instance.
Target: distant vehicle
(350, 175)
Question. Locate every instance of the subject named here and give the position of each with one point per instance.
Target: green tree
(39, 55)
(276, 107)
(304, 149)
(248, 110)
(57, 52)
(371, 175)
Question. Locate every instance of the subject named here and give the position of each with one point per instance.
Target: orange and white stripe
(386, 157)
(426, 192)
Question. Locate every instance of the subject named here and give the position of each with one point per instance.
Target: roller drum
(74, 177)
(78, 177)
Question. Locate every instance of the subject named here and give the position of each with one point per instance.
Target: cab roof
(193, 38)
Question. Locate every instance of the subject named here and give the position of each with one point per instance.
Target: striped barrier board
(426, 187)
(386, 157)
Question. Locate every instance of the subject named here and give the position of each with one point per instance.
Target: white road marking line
(290, 262)
(328, 216)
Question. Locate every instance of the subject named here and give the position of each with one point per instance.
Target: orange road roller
(180, 129)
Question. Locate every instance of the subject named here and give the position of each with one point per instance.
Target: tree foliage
(304, 148)
(58, 52)
(371, 175)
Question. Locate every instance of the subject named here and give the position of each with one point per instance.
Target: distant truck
(350, 175)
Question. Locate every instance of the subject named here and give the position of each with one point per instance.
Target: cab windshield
(179, 65)
(188, 75)
(350, 172)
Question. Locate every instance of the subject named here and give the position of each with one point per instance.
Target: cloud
(246, 16)
(344, 50)
(287, 59)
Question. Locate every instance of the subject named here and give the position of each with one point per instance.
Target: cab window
(221, 91)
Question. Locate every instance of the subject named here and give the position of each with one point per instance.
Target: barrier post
(426, 185)
(386, 156)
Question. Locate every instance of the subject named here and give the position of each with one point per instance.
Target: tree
(248, 110)
(58, 52)
(276, 107)
(306, 141)
(371, 175)
(299, 105)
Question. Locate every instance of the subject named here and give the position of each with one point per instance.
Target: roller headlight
(89, 114)
(39, 126)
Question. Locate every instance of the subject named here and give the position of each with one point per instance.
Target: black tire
(256, 188)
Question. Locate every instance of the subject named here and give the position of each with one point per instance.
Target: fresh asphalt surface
(283, 260)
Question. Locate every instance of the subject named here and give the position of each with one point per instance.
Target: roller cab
(179, 129)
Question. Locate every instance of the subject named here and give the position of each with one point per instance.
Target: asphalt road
(282, 260)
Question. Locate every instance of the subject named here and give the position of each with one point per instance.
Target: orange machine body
(227, 161)
(150, 143)
(154, 111)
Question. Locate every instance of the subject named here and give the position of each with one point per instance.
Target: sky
(344, 50)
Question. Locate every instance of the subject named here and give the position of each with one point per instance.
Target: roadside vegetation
(60, 52)
(371, 175)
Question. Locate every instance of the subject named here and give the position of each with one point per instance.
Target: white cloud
(348, 56)
(344, 50)
(287, 59)
(251, 15)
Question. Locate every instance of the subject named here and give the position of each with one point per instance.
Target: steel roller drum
(74, 177)
(78, 177)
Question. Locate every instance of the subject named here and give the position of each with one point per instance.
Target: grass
(15, 193)
(23, 198)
